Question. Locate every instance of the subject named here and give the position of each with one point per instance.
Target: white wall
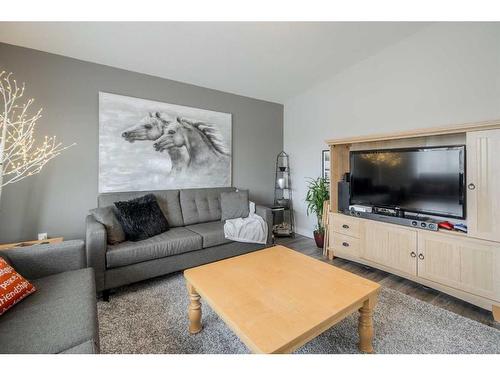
(448, 73)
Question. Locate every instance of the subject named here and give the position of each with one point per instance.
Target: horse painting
(146, 145)
(202, 141)
(152, 127)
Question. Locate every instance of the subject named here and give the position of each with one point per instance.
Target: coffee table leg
(194, 311)
(365, 325)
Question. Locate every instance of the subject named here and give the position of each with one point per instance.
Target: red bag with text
(13, 287)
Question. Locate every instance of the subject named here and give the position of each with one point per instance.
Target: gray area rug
(151, 317)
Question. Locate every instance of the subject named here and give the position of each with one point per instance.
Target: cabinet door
(463, 263)
(483, 184)
(391, 246)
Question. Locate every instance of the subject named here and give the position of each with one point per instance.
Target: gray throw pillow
(107, 217)
(234, 204)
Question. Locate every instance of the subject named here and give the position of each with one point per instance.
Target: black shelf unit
(283, 225)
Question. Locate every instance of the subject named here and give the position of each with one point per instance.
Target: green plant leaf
(317, 193)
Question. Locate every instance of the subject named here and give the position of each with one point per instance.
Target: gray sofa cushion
(212, 233)
(168, 200)
(59, 316)
(35, 262)
(107, 217)
(234, 204)
(175, 241)
(201, 205)
(119, 276)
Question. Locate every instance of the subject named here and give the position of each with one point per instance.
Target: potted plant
(317, 194)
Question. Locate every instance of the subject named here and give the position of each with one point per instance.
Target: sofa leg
(105, 295)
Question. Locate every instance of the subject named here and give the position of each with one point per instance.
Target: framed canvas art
(325, 164)
(149, 145)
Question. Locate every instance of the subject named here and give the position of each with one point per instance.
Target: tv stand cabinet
(466, 266)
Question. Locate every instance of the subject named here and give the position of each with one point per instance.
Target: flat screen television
(426, 180)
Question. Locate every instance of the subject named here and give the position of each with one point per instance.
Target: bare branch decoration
(20, 155)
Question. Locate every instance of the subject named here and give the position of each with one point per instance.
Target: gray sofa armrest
(96, 243)
(267, 214)
(38, 261)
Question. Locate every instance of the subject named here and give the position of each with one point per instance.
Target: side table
(31, 243)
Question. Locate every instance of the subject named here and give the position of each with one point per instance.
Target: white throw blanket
(252, 229)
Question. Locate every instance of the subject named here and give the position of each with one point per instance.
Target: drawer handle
(421, 256)
(346, 244)
(471, 186)
(345, 226)
(413, 254)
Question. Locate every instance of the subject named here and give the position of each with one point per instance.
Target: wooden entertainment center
(464, 265)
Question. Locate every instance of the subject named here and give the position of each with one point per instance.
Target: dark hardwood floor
(307, 246)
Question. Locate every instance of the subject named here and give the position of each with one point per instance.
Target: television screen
(424, 180)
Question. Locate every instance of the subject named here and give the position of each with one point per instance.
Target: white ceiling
(271, 61)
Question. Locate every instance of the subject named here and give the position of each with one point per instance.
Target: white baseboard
(306, 232)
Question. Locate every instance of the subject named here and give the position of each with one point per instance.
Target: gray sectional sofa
(196, 237)
(61, 316)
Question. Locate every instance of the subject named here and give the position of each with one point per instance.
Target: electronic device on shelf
(408, 221)
(360, 208)
(426, 180)
(396, 211)
(460, 227)
(445, 225)
(343, 195)
(384, 211)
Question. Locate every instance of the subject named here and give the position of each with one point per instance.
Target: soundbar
(406, 221)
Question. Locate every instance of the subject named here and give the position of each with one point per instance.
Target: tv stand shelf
(464, 265)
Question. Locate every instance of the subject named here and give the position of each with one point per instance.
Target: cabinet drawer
(347, 225)
(344, 245)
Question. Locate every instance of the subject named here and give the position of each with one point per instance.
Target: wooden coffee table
(276, 300)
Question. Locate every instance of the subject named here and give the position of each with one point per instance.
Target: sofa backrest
(168, 200)
(201, 205)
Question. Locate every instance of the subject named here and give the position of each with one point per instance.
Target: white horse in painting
(202, 141)
(151, 128)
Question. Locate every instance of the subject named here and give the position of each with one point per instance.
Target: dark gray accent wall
(58, 199)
